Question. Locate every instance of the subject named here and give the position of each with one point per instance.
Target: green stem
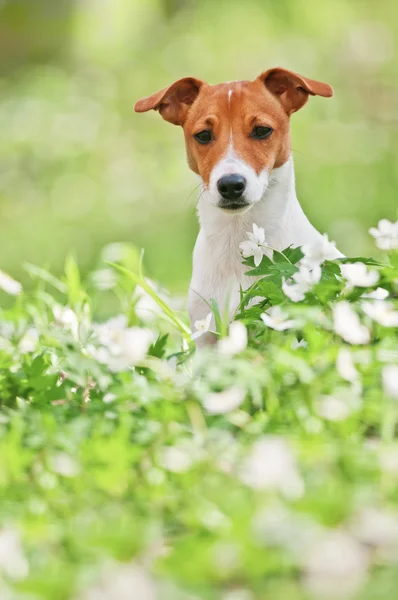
(140, 280)
(275, 250)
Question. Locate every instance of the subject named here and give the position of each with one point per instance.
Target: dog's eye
(261, 133)
(203, 137)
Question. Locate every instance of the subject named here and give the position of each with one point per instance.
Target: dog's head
(237, 132)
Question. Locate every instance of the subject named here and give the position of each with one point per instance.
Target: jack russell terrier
(237, 139)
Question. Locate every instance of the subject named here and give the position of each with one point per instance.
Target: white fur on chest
(218, 272)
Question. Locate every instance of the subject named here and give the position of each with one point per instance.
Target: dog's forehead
(234, 98)
(223, 92)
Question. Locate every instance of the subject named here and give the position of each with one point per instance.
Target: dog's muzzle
(231, 189)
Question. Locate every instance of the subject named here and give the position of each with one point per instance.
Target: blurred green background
(78, 169)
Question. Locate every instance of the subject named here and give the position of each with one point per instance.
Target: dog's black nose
(231, 187)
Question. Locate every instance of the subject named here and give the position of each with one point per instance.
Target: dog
(237, 137)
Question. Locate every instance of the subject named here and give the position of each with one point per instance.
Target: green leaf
(366, 261)
(76, 294)
(293, 254)
(271, 291)
(158, 348)
(393, 257)
(217, 315)
(262, 269)
(282, 269)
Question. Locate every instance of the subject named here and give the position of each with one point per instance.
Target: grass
(135, 468)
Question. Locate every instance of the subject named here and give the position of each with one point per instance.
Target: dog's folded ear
(293, 89)
(173, 103)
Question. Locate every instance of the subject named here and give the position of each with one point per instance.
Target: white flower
(109, 398)
(66, 318)
(12, 559)
(104, 279)
(304, 279)
(317, 252)
(123, 582)
(121, 347)
(272, 465)
(358, 275)
(385, 234)
(28, 342)
(176, 459)
(307, 276)
(336, 407)
(255, 245)
(220, 403)
(390, 380)
(377, 294)
(336, 566)
(276, 319)
(389, 460)
(348, 326)
(9, 285)
(293, 291)
(202, 326)
(236, 341)
(382, 312)
(375, 527)
(146, 308)
(63, 464)
(345, 366)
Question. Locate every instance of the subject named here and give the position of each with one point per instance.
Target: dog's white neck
(278, 212)
(218, 271)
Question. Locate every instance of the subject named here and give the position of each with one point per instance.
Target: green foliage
(131, 460)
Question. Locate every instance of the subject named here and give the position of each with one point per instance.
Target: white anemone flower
(28, 342)
(64, 464)
(276, 319)
(178, 458)
(303, 281)
(358, 275)
(307, 277)
(345, 366)
(255, 245)
(337, 407)
(317, 252)
(202, 326)
(9, 285)
(146, 308)
(348, 326)
(382, 312)
(66, 318)
(378, 528)
(295, 292)
(236, 340)
(336, 566)
(221, 403)
(121, 347)
(13, 562)
(377, 294)
(385, 234)
(390, 381)
(123, 582)
(271, 465)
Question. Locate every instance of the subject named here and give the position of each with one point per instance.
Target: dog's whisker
(193, 191)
